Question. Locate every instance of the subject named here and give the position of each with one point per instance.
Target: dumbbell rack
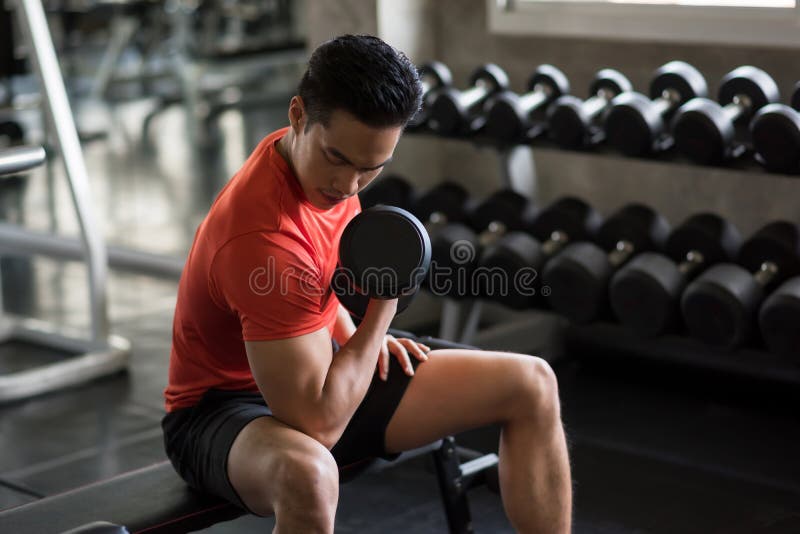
(461, 319)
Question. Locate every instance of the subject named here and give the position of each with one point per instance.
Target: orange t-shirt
(259, 269)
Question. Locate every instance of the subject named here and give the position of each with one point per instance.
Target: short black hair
(364, 76)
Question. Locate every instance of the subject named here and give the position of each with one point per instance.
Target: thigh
(270, 461)
(457, 390)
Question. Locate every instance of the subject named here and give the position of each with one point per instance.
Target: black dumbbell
(776, 135)
(645, 294)
(706, 131)
(11, 133)
(392, 190)
(457, 246)
(574, 123)
(520, 255)
(637, 125)
(384, 252)
(779, 319)
(455, 112)
(434, 75)
(446, 202)
(720, 306)
(510, 117)
(578, 277)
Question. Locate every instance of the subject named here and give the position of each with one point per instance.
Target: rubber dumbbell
(455, 112)
(392, 190)
(775, 131)
(720, 306)
(578, 277)
(446, 202)
(637, 125)
(433, 75)
(510, 117)
(706, 131)
(384, 253)
(645, 294)
(457, 246)
(574, 123)
(520, 254)
(779, 318)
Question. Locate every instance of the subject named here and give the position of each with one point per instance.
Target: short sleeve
(273, 284)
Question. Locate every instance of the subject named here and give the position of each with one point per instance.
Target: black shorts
(198, 439)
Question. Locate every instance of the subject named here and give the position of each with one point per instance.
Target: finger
(383, 362)
(414, 348)
(399, 350)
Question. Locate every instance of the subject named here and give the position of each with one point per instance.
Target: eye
(333, 159)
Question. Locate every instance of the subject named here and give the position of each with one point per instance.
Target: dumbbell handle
(493, 232)
(667, 102)
(693, 261)
(557, 241)
(741, 106)
(622, 252)
(470, 97)
(766, 273)
(595, 104)
(534, 99)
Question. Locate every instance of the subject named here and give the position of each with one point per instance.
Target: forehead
(355, 139)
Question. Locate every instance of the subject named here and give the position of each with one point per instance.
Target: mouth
(332, 200)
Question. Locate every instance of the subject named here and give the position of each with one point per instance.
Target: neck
(284, 147)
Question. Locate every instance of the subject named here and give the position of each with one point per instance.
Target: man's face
(335, 162)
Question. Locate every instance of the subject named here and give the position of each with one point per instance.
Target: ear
(297, 114)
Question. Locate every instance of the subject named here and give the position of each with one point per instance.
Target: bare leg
(456, 390)
(278, 470)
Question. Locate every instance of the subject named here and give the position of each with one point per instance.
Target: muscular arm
(310, 390)
(344, 326)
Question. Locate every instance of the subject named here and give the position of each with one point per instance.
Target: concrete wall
(455, 31)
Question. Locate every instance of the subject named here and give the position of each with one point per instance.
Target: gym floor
(653, 450)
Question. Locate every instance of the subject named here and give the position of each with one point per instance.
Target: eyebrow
(344, 158)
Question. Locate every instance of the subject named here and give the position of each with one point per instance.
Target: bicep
(291, 375)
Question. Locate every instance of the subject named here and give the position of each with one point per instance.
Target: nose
(346, 185)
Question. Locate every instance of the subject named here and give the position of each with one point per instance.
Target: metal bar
(20, 159)
(33, 23)
(454, 495)
(20, 241)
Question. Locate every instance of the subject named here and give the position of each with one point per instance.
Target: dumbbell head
(434, 75)
(570, 216)
(635, 123)
(454, 257)
(505, 206)
(384, 252)
(719, 307)
(450, 109)
(448, 199)
(680, 78)
(578, 277)
(570, 119)
(645, 293)
(508, 115)
(753, 83)
(779, 319)
(776, 135)
(506, 270)
(392, 190)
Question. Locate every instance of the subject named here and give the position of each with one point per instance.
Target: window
(736, 22)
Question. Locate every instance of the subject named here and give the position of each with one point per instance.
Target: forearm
(344, 327)
(352, 368)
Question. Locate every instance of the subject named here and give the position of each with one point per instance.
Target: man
(262, 407)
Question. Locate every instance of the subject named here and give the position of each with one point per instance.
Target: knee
(308, 489)
(539, 395)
